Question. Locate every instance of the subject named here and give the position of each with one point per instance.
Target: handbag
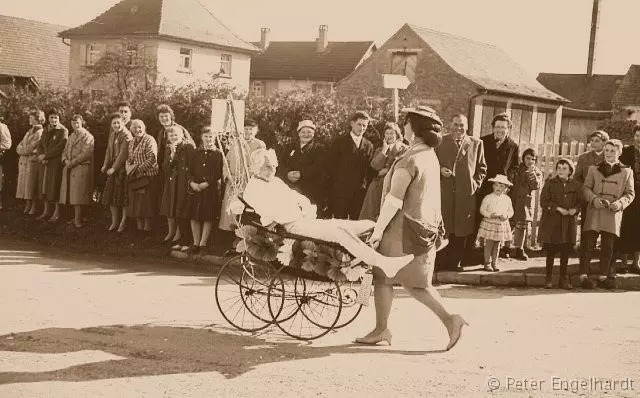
(139, 183)
(418, 239)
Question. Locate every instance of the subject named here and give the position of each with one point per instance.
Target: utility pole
(595, 21)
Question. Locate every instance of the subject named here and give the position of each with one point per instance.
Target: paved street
(76, 326)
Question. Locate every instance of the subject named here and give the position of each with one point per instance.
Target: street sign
(395, 81)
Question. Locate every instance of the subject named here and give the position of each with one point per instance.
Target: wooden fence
(548, 155)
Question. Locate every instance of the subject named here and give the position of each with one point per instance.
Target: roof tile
(32, 49)
(300, 60)
(176, 19)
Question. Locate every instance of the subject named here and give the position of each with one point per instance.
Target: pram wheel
(242, 293)
(350, 308)
(304, 308)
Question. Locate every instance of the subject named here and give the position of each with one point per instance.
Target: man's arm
(480, 172)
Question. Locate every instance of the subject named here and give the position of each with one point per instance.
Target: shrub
(620, 129)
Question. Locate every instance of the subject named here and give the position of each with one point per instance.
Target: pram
(306, 287)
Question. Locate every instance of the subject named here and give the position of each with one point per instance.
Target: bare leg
(196, 230)
(147, 224)
(34, 207)
(45, 212)
(495, 252)
(178, 234)
(56, 212)
(27, 206)
(383, 298)
(171, 226)
(206, 231)
(123, 220)
(140, 223)
(77, 215)
(115, 215)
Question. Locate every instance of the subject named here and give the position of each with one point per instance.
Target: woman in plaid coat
(142, 168)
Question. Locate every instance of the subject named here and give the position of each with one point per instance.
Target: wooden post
(395, 104)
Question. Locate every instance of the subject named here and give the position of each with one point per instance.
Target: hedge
(277, 116)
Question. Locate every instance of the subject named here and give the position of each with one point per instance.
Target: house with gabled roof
(31, 54)
(458, 75)
(595, 98)
(181, 40)
(313, 65)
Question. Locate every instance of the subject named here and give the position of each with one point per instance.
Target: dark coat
(524, 183)
(583, 163)
(458, 192)
(204, 166)
(629, 241)
(502, 160)
(556, 228)
(175, 184)
(348, 167)
(51, 146)
(309, 162)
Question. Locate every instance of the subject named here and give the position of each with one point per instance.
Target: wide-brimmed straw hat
(424, 111)
(502, 179)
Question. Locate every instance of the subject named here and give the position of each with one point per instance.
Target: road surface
(77, 326)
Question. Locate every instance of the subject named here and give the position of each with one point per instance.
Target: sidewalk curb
(471, 278)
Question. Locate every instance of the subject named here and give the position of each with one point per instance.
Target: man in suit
(502, 156)
(462, 170)
(349, 169)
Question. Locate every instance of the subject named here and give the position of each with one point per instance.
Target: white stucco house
(180, 41)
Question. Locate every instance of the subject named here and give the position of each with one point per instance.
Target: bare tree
(125, 69)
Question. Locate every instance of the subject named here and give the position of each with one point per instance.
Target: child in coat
(204, 177)
(496, 209)
(560, 203)
(527, 179)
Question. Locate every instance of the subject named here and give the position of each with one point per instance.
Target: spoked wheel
(302, 308)
(350, 308)
(241, 293)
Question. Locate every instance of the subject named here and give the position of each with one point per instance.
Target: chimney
(595, 21)
(264, 38)
(322, 39)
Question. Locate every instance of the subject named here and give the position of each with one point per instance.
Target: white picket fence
(548, 155)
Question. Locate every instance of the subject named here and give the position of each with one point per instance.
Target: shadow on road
(161, 350)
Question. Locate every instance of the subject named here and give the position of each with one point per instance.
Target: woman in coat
(383, 158)
(628, 245)
(410, 222)
(28, 187)
(52, 143)
(142, 168)
(608, 190)
(114, 194)
(300, 165)
(77, 176)
(174, 193)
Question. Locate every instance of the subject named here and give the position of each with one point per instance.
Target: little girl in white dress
(496, 209)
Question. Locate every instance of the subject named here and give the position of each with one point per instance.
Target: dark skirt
(52, 179)
(629, 242)
(203, 206)
(174, 195)
(143, 203)
(115, 190)
(418, 273)
(372, 200)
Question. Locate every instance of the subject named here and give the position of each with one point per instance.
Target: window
(225, 65)
(404, 63)
(257, 88)
(131, 54)
(185, 59)
(92, 54)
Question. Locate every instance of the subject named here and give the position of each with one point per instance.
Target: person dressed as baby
(276, 203)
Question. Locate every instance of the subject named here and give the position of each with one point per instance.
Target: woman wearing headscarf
(410, 222)
(392, 147)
